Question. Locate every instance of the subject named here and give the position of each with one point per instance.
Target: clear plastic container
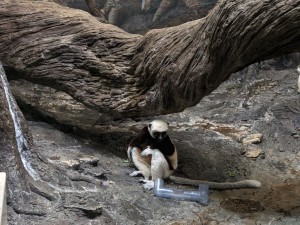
(200, 196)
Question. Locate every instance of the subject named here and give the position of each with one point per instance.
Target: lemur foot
(149, 185)
(135, 173)
(143, 181)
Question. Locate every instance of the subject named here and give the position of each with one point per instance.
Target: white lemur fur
(155, 156)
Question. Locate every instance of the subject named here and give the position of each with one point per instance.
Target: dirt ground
(209, 137)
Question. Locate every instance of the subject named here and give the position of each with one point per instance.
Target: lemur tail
(216, 185)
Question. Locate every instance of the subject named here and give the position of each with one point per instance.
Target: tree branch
(187, 62)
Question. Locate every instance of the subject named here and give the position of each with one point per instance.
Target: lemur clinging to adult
(155, 156)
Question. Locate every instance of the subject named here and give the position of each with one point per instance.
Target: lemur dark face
(158, 130)
(159, 135)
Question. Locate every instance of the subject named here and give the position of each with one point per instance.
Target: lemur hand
(147, 151)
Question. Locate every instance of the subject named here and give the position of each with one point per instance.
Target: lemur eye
(164, 134)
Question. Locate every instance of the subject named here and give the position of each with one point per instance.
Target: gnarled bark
(125, 75)
(18, 159)
(189, 61)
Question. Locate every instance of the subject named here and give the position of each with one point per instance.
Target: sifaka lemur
(155, 156)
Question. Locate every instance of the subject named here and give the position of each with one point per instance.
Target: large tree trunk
(188, 62)
(125, 75)
(34, 184)
(18, 159)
